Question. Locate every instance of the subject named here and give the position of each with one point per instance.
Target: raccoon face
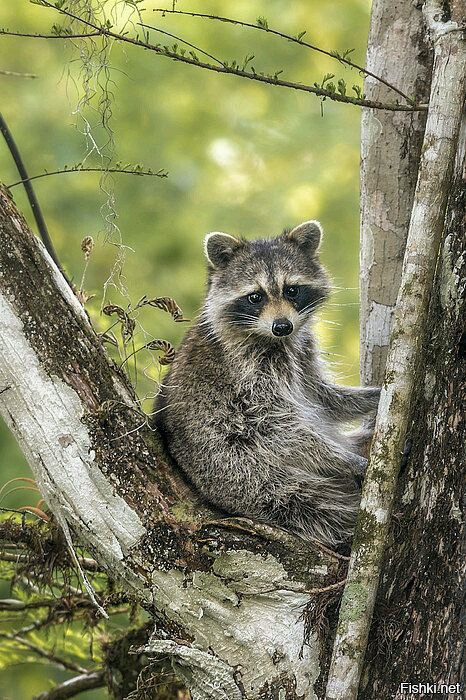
(268, 287)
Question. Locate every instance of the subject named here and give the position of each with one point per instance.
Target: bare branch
(31, 195)
(15, 74)
(74, 686)
(86, 563)
(294, 39)
(76, 169)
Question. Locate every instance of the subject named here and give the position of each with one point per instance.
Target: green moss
(368, 533)
(354, 603)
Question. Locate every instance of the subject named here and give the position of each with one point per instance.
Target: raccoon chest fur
(273, 413)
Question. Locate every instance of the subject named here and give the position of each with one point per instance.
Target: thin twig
(36, 210)
(288, 37)
(15, 74)
(74, 686)
(257, 77)
(159, 173)
(178, 38)
(86, 563)
(43, 653)
(27, 35)
(325, 589)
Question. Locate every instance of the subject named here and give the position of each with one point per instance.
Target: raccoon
(247, 410)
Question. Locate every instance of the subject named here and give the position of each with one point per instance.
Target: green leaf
(326, 78)
(262, 22)
(248, 59)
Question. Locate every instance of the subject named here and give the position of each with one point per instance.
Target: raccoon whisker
(309, 307)
(248, 317)
(349, 303)
(205, 322)
(241, 325)
(329, 323)
(240, 321)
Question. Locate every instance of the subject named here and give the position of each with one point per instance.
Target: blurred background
(241, 157)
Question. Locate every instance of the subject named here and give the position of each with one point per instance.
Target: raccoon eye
(292, 291)
(255, 298)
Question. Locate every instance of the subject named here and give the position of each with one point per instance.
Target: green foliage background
(242, 157)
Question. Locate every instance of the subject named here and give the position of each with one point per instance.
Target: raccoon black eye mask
(248, 412)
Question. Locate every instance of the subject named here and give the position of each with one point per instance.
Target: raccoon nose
(282, 326)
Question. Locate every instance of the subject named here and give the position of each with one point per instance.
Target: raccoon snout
(282, 326)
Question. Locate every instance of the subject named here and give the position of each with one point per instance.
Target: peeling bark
(230, 599)
(390, 152)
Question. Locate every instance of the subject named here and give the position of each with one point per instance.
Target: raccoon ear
(219, 248)
(307, 235)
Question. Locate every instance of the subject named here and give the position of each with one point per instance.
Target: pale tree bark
(416, 634)
(426, 229)
(231, 604)
(418, 631)
(390, 151)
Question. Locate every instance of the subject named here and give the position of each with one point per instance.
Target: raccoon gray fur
(247, 411)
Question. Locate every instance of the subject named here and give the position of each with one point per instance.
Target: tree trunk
(417, 633)
(230, 602)
(390, 151)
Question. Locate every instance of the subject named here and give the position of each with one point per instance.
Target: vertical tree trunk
(390, 151)
(417, 633)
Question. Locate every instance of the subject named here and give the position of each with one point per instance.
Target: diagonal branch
(31, 195)
(293, 39)
(250, 75)
(74, 686)
(43, 653)
(75, 169)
